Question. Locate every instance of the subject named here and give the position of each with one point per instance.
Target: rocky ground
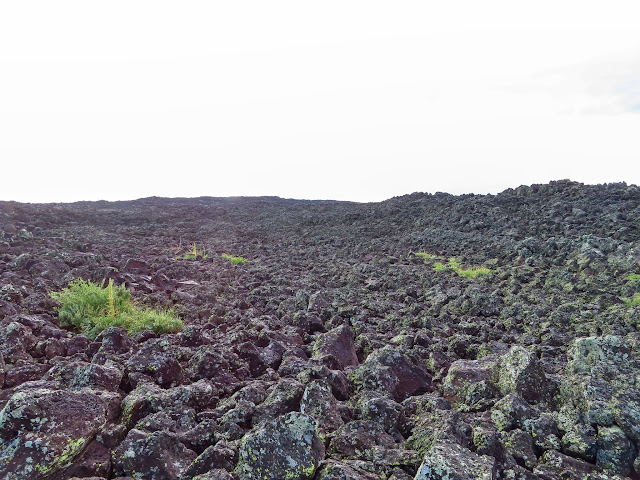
(335, 352)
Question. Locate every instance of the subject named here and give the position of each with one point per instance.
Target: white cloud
(605, 85)
(347, 100)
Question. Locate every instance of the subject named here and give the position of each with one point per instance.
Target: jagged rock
(511, 412)
(328, 283)
(94, 461)
(354, 439)
(216, 474)
(332, 470)
(388, 370)
(470, 381)
(520, 372)
(16, 340)
(519, 444)
(169, 458)
(455, 462)
(626, 411)
(24, 371)
(615, 452)
(338, 342)
(220, 456)
(377, 408)
(285, 397)
(554, 465)
(77, 374)
(585, 353)
(176, 420)
(149, 398)
(544, 430)
(214, 364)
(43, 430)
(159, 359)
(319, 403)
(113, 340)
(287, 447)
(580, 441)
(3, 370)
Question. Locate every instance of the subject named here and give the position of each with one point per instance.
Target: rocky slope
(335, 352)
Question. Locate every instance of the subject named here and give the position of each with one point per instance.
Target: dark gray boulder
(153, 456)
(288, 447)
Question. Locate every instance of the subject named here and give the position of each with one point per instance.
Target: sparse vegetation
(234, 260)
(633, 301)
(473, 272)
(455, 265)
(440, 267)
(92, 307)
(193, 253)
(427, 257)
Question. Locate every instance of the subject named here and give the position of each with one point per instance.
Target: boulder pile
(334, 352)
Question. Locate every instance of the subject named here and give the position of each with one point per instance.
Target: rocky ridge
(335, 352)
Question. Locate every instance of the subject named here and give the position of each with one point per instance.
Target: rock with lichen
(170, 459)
(454, 462)
(287, 448)
(44, 430)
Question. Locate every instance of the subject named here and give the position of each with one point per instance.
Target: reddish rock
(77, 344)
(16, 340)
(48, 428)
(470, 381)
(338, 342)
(77, 374)
(354, 438)
(94, 461)
(157, 358)
(388, 370)
(25, 372)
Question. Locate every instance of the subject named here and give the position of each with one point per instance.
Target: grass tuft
(92, 307)
(427, 257)
(234, 260)
(633, 301)
(440, 267)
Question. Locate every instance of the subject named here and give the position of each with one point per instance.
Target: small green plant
(439, 267)
(92, 307)
(427, 257)
(454, 264)
(633, 277)
(234, 260)
(473, 272)
(633, 301)
(193, 253)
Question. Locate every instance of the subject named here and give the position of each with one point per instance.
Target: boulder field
(426, 337)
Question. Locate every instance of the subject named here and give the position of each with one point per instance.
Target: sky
(350, 100)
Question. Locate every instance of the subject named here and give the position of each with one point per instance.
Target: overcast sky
(348, 100)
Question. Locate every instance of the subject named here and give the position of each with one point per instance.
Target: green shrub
(633, 277)
(234, 260)
(92, 308)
